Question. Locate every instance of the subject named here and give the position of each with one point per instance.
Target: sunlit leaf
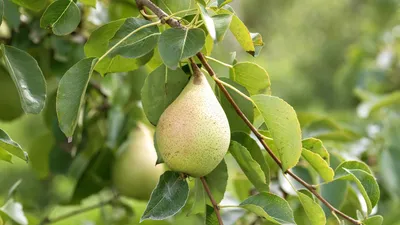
(269, 206)
(28, 78)
(209, 23)
(222, 23)
(62, 16)
(252, 76)
(319, 164)
(134, 45)
(160, 89)
(176, 44)
(373, 220)
(7, 145)
(217, 181)
(281, 120)
(35, 5)
(71, 94)
(15, 211)
(167, 198)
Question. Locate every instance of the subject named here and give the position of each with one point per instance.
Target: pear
(193, 133)
(135, 173)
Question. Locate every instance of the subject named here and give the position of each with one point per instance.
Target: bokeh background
(335, 62)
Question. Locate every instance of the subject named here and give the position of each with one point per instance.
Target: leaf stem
(215, 205)
(175, 23)
(219, 62)
(233, 88)
(126, 37)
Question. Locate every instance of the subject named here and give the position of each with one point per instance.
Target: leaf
(199, 204)
(235, 122)
(209, 23)
(173, 6)
(35, 5)
(284, 127)
(335, 193)
(315, 145)
(252, 76)
(389, 166)
(8, 145)
(377, 103)
(211, 217)
(5, 156)
(351, 165)
(217, 181)
(71, 94)
(373, 220)
(269, 206)
(249, 166)
(242, 35)
(255, 152)
(27, 77)
(160, 89)
(223, 2)
(62, 16)
(327, 129)
(202, 2)
(221, 22)
(14, 210)
(319, 164)
(12, 14)
(89, 2)
(98, 43)
(176, 44)
(39, 151)
(138, 43)
(313, 210)
(257, 42)
(167, 198)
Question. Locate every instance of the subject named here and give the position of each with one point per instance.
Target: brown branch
(175, 23)
(215, 205)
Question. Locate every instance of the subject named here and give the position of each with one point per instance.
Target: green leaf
(39, 151)
(242, 35)
(8, 145)
(176, 44)
(223, 2)
(222, 22)
(313, 210)
(5, 156)
(71, 94)
(28, 78)
(209, 23)
(199, 204)
(269, 206)
(203, 2)
(98, 43)
(132, 43)
(284, 127)
(62, 16)
(217, 181)
(319, 164)
(335, 193)
(373, 220)
(89, 2)
(35, 5)
(340, 170)
(173, 6)
(252, 76)
(251, 145)
(167, 198)
(235, 122)
(257, 42)
(211, 217)
(160, 89)
(12, 14)
(378, 102)
(389, 166)
(14, 210)
(249, 166)
(315, 145)
(327, 129)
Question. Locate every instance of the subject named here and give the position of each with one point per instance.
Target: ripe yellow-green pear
(193, 133)
(135, 173)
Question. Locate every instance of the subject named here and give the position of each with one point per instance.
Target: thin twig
(76, 212)
(175, 23)
(215, 205)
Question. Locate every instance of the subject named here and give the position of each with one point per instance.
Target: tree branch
(215, 205)
(76, 212)
(175, 23)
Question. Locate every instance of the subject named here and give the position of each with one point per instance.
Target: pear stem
(175, 23)
(213, 202)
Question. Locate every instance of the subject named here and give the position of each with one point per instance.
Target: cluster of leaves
(90, 102)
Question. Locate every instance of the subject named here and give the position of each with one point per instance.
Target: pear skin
(135, 173)
(193, 133)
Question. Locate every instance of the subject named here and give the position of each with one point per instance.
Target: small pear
(135, 173)
(193, 133)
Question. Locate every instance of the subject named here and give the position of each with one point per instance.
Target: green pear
(193, 133)
(135, 173)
